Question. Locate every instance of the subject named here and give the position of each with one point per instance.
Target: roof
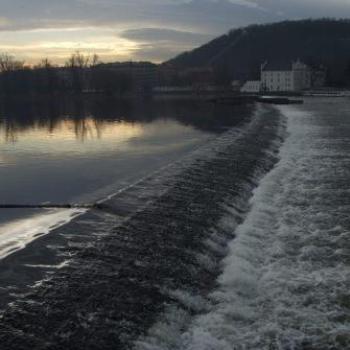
(277, 66)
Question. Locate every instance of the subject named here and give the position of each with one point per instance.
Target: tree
(77, 63)
(10, 77)
(95, 60)
(8, 63)
(45, 76)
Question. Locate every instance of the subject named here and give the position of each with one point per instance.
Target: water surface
(65, 150)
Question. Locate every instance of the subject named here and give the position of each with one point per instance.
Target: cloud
(154, 53)
(213, 16)
(292, 9)
(216, 15)
(159, 35)
(169, 26)
(4, 22)
(160, 44)
(158, 27)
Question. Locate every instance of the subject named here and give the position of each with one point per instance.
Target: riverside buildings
(142, 75)
(292, 77)
(295, 76)
(251, 86)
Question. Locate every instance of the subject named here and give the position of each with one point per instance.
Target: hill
(238, 54)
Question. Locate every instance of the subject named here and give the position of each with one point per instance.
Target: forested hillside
(239, 53)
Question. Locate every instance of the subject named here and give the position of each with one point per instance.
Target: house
(318, 76)
(294, 76)
(143, 75)
(251, 86)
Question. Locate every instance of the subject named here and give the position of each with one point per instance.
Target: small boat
(278, 100)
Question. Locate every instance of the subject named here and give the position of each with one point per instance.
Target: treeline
(81, 73)
(239, 53)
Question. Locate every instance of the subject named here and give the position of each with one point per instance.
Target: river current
(286, 279)
(243, 244)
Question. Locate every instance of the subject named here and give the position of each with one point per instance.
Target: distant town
(85, 74)
(289, 57)
(295, 76)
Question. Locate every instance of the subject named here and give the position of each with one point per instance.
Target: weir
(164, 256)
(49, 206)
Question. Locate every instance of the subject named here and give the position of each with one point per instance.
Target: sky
(154, 30)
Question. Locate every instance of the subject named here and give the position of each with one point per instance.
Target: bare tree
(78, 63)
(44, 63)
(79, 60)
(95, 60)
(8, 63)
(45, 77)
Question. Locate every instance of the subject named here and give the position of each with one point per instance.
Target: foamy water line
(286, 279)
(140, 277)
(17, 234)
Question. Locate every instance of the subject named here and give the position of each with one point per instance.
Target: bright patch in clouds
(58, 44)
(4, 22)
(137, 29)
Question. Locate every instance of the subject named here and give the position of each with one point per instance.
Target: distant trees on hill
(234, 56)
(239, 53)
(81, 73)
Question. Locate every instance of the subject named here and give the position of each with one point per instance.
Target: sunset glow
(64, 134)
(58, 44)
(153, 30)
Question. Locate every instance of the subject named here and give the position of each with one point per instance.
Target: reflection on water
(67, 149)
(90, 117)
(74, 150)
(71, 137)
(68, 129)
(17, 234)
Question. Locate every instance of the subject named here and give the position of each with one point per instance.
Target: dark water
(286, 279)
(80, 150)
(122, 277)
(241, 244)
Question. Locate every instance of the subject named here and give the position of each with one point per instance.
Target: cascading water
(224, 255)
(132, 270)
(286, 279)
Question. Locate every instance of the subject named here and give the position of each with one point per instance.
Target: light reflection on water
(16, 234)
(70, 138)
(64, 150)
(72, 130)
(69, 150)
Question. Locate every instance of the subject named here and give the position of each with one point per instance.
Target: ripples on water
(80, 150)
(78, 146)
(286, 280)
(122, 277)
(283, 285)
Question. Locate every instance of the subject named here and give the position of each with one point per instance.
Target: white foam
(288, 269)
(168, 332)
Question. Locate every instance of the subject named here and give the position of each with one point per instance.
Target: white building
(295, 76)
(251, 86)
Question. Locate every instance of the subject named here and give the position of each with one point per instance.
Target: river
(242, 243)
(79, 151)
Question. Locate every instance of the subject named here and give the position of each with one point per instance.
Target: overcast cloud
(138, 29)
